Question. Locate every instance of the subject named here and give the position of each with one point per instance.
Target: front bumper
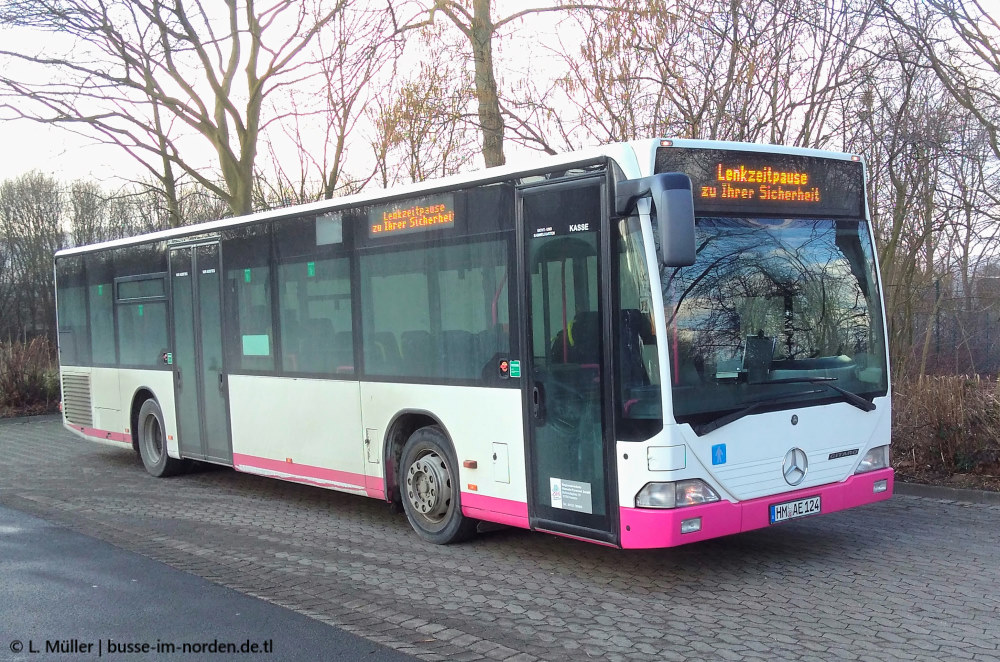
(645, 528)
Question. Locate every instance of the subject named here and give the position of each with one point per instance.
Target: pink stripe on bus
(375, 487)
(105, 434)
(644, 528)
(494, 509)
(311, 475)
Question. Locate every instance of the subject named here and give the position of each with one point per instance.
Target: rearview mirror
(674, 204)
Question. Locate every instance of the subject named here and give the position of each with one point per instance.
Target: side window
(100, 292)
(473, 311)
(439, 312)
(566, 322)
(250, 290)
(142, 319)
(74, 341)
(314, 303)
(246, 257)
(73, 326)
(397, 314)
(640, 409)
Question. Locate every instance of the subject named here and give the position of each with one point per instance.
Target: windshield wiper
(717, 423)
(851, 398)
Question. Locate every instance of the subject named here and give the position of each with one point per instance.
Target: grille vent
(76, 399)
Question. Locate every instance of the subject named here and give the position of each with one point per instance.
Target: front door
(565, 369)
(199, 380)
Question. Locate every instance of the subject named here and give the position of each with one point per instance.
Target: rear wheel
(430, 490)
(153, 442)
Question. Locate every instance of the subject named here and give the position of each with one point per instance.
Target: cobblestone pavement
(909, 579)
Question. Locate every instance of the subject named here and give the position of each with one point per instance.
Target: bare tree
(87, 213)
(481, 29)
(31, 211)
(930, 179)
(354, 51)
(419, 132)
(960, 41)
(897, 124)
(147, 74)
(721, 69)
(7, 285)
(95, 214)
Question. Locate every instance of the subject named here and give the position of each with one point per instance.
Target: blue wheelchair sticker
(719, 454)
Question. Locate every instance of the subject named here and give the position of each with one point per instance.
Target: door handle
(180, 381)
(221, 386)
(538, 403)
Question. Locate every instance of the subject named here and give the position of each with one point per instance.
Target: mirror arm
(674, 202)
(628, 192)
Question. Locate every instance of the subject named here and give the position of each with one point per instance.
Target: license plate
(792, 509)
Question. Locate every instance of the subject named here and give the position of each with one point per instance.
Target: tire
(151, 436)
(429, 487)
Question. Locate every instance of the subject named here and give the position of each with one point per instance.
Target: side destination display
(733, 181)
(412, 215)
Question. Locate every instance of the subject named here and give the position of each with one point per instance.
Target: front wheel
(152, 442)
(430, 490)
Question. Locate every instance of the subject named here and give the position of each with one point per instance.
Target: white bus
(641, 345)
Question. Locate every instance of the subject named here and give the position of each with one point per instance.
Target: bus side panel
(79, 405)
(161, 384)
(304, 430)
(105, 388)
(97, 402)
(91, 403)
(482, 423)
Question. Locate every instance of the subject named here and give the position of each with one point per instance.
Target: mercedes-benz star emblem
(795, 467)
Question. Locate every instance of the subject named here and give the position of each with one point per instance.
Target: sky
(26, 146)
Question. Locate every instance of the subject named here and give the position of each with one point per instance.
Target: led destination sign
(742, 183)
(730, 181)
(414, 215)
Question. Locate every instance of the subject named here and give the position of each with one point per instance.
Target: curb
(949, 493)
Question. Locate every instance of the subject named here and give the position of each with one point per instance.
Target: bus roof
(690, 143)
(626, 154)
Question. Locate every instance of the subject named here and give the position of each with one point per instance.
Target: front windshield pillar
(653, 268)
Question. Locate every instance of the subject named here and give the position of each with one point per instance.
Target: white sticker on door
(571, 495)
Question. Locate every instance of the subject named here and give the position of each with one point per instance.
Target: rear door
(199, 378)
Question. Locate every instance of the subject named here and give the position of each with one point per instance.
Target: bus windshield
(775, 313)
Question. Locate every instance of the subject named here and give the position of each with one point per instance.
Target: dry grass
(28, 377)
(944, 426)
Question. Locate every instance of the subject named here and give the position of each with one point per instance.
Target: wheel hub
(428, 486)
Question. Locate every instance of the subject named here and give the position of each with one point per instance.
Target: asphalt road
(911, 578)
(66, 595)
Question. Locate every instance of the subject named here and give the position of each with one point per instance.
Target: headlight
(875, 459)
(675, 495)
